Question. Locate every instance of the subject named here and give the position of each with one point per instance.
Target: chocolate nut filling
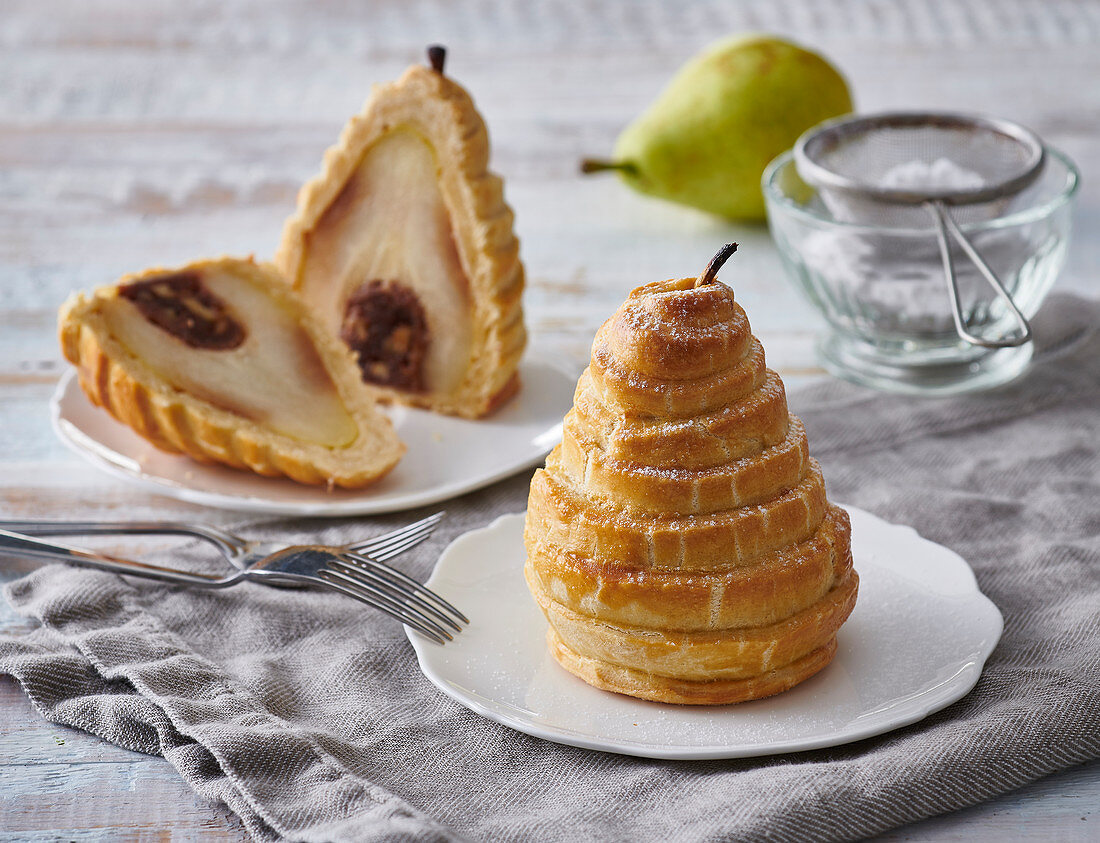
(179, 304)
(384, 325)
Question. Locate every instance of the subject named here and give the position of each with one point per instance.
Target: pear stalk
(437, 55)
(710, 274)
(598, 165)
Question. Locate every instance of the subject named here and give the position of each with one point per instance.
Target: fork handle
(20, 545)
(226, 542)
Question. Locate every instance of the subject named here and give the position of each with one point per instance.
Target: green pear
(706, 140)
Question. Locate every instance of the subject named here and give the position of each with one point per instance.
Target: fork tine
(424, 525)
(385, 607)
(375, 601)
(378, 598)
(378, 580)
(394, 574)
(398, 546)
(394, 545)
(395, 549)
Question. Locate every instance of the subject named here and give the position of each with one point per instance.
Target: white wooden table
(136, 133)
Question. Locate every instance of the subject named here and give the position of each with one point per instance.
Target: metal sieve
(899, 168)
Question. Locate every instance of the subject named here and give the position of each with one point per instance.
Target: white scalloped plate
(915, 643)
(447, 456)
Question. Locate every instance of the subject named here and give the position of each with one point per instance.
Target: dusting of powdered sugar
(941, 174)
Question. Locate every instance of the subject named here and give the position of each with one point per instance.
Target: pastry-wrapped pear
(679, 539)
(403, 247)
(218, 360)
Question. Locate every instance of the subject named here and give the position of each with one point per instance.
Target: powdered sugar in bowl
(878, 278)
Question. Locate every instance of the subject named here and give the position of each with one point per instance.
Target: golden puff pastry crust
(611, 676)
(404, 247)
(679, 539)
(218, 360)
(775, 586)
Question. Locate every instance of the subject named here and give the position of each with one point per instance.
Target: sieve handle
(945, 223)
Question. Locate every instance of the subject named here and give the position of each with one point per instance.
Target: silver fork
(355, 569)
(237, 551)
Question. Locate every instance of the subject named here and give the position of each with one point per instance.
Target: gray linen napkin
(308, 717)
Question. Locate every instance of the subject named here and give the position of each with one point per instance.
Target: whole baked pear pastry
(404, 248)
(679, 539)
(218, 360)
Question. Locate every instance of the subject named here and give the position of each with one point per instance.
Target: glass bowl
(882, 289)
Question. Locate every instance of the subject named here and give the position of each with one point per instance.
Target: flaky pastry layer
(701, 655)
(594, 527)
(777, 586)
(667, 689)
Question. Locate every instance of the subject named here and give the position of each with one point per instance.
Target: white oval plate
(447, 456)
(916, 642)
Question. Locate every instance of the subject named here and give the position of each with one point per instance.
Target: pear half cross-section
(218, 360)
(404, 249)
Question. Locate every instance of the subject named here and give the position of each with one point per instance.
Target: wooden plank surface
(138, 133)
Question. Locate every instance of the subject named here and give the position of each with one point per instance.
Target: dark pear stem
(710, 274)
(437, 55)
(596, 165)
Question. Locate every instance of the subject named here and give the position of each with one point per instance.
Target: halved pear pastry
(218, 360)
(404, 248)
